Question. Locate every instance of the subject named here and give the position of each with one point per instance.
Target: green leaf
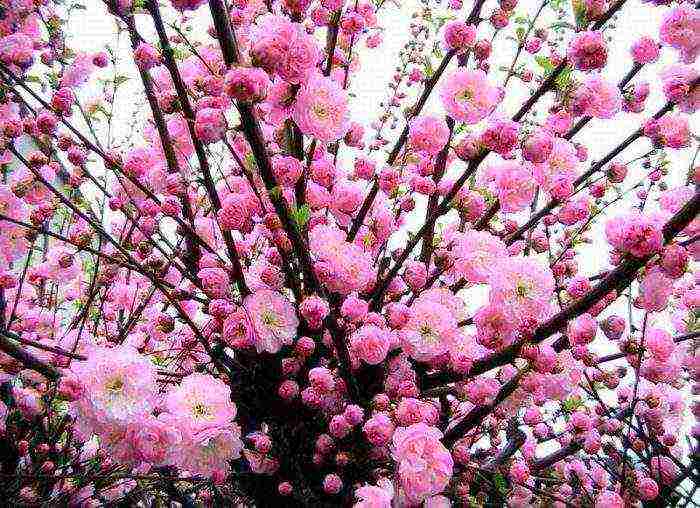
(564, 78)
(301, 215)
(544, 62)
(580, 13)
(500, 482)
(571, 404)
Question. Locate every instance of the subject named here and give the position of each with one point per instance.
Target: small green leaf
(544, 62)
(500, 482)
(301, 215)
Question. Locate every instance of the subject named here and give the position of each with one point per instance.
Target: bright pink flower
(210, 451)
(321, 109)
(187, 5)
(370, 344)
(424, 464)
(378, 429)
(633, 233)
(468, 97)
(430, 330)
(459, 35)
(582, 330)
(342, 266)
(538, 146)
(513, 183)
(588, 51)
(597, 98)
(210, 125)
(146, 56)
(428, 134)
(677, 85)
(670, 130)
(645, 50)
(247, 84)
(500, 136)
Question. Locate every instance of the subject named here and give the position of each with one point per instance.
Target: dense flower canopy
(220, 285)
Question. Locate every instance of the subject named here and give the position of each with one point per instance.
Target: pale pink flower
(274, 320)
(654, 291)
(424, 464)
(680, 29)
(120, 386)
(370, 496)
(474, 253)
(430, 330)
(209, 452)
(153, 438)
(523, 286)
(200, 402)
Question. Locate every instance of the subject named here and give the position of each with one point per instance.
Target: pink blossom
(428, 133)
(459, 35)
(597, 98)
(513, 183)
(247, 84)
(468, 97)
(645, 50)
(654, 291)
(680, 29)
(678, 87)
(210, 125)
(587, 51)
(273, 318)
(200, 402)
(474, 253)
(670, 130)
(146, 56)
(424, 464)
(633, 233)
(187, 5)
(120, 386)
(378, 429)
(523, 286)
(370, 496)
(321, 109)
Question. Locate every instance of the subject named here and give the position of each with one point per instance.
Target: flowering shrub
(252, 295)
